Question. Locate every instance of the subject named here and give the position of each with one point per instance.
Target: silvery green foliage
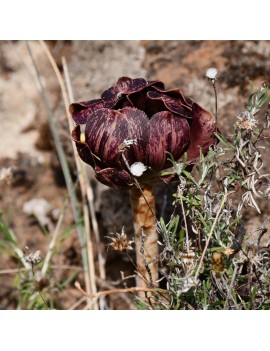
(225, 270)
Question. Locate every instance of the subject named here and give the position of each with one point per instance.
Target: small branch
(116, 291)
(211, 233)
(77, 303)
(216, 106)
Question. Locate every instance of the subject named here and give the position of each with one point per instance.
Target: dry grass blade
(53, 241)
(87, 187)
(89, 277)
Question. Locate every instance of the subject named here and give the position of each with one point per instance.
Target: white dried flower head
(211, 73)
(120, 242)
(246, 121)
(32, 257)
(138, 168)
(6, 175)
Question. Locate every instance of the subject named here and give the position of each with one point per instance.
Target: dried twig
(117, 291)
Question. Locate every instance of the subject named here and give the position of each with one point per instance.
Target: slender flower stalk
(212, 75)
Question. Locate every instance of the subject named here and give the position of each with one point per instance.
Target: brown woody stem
(143, 209)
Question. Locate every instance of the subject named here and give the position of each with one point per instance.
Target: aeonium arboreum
(126, 135)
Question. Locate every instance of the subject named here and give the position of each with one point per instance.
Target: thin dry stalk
(53, 241)
(116, 291)
(89, 273)
(12, 271)
(144, 220)
(89, 190)
(103, 284)
(77, 303)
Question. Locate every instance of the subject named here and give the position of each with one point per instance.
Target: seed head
(211, 73)
(32, 257)
(246, 121)
(120, 242)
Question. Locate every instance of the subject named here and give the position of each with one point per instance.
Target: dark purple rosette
(139, 122)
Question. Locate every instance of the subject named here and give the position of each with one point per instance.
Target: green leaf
(222, 139)
(166, 173)
(175, 227)
(7, 233)
(68, 280)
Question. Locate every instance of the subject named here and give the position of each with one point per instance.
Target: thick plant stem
(143, 210)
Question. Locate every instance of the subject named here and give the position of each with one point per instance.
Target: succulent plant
(126, 136)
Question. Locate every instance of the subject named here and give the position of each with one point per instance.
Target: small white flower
(138, 168)
(211, 73)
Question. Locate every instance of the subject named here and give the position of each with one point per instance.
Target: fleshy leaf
(82, 148)
(114, 178)
(172, 103)
(124, 86)
(81, 111)
(168, 133)
(177, 93)
(129, 88)
(202, 132)
(107, 130)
